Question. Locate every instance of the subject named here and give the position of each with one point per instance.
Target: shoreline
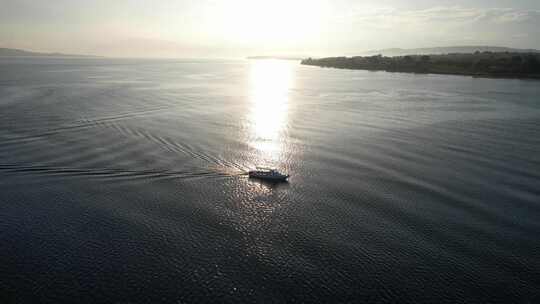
(477, 65)
(500, 76)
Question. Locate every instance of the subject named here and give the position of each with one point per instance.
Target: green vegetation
(486, 64)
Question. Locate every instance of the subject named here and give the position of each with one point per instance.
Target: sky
(238, 28)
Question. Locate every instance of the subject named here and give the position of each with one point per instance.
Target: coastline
(482, 65)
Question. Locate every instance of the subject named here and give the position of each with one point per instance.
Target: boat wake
(111, 172)
(213, 166)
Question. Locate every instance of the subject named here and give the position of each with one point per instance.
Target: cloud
(386, 27)
(167, 28)
(509, 15)
(391, 17)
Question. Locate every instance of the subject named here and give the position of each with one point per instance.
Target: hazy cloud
(171, 28)
(450, 15)
(384, 27)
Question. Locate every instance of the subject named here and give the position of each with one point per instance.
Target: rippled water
(124, 181)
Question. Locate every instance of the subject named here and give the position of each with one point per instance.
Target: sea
(124, 181)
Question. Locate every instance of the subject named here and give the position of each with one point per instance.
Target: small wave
(171, 145)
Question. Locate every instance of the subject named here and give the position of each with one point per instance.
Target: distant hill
(5, 52)
(447, 50)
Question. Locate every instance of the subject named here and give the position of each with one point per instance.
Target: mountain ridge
(9, 52)
(447, 50)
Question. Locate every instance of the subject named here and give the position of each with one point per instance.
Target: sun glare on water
(269, 84)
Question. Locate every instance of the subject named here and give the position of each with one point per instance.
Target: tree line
(503, 64)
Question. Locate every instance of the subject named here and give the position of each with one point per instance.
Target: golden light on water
(269, 84)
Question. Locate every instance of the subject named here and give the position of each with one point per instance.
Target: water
(124, 181)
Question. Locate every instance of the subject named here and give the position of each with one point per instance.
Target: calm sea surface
(124, 181)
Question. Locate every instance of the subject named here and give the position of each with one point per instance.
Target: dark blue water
(123, 181)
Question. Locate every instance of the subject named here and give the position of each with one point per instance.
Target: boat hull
(275, 178)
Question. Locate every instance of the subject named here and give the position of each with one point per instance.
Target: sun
(277, 23)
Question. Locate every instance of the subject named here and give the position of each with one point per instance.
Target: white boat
(268, 174)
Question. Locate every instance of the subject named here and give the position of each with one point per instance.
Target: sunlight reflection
(270, 81)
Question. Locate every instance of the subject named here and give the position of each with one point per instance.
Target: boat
(269, 174)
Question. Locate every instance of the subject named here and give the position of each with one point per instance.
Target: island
(479, 64)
